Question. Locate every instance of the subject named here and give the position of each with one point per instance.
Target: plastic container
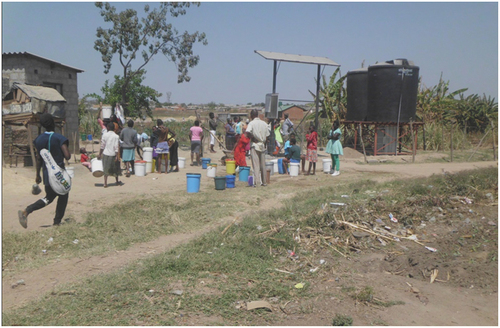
(182, 162)
(327, 165)
(281, 170)
(193, 182)
(204, 163)
(250, 181)
(220, 183)
(244, 173)
(275, 166)
(83, 136)
(107, 111)
(294, 169)
(270, 166)
(140, 168)
(149, 167)
(230, 166)
(89, 137)
(71, 171)
(97, 168)
(211, 170)
(230, 179)
(147, 154)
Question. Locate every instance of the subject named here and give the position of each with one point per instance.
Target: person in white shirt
(258, 132)
(110, 154)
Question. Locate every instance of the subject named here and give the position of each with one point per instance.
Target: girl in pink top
(312, 149)
(196, 136)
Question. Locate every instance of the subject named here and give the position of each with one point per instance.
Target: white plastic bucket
(327, 165)
(148, 154)
(211, 170)
(107, 111)
(270, 166)
(97, 168)
(294, 169)
(275, 165)
(140, 169)
(71, 171)
(182, 162)
(149, 167)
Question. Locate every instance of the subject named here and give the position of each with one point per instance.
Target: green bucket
(83, 136)
(220, 183)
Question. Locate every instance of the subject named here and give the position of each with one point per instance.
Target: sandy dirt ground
(446, 305)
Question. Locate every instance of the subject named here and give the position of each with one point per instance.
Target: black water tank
(392, 85)
(357, 94)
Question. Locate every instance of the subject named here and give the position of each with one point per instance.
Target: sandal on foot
(23, 219)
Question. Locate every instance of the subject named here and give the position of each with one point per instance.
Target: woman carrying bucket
(334, 148)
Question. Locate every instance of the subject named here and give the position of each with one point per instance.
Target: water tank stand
(381, 136)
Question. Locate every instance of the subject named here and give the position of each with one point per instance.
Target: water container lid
(362, 70)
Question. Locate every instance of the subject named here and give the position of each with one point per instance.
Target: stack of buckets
(148, 157)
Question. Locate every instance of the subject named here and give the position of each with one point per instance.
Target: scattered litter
(431, 249)
(18, 283)
(283, 271)
(291, 253)
(259, 305)
(381, 241)
(430, 186)
(471, 211)
(434, 275)
(379, 221)
(177, 292)
(489, 195)
(76, 241)
(50, 240)
(396, 239)
(151, 291)
(259, 227)
(491, 223)
(155, 178)
(466, 200)
(432, 219)
(299, 285)
(440, 209)
(467, 221)
(393, 219)
(44, 251)
(337, 204)
(412, 237)
(387, 228)
(314, 270)
(322, 261)
(345, 196)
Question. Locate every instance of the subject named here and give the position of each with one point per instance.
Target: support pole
(494, 143)
(451, 143)
(317, 97)
(412, 142)
(30, 142)
(362, 143)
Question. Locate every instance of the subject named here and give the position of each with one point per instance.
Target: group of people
(119, 143)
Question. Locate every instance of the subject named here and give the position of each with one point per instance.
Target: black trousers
(50, 195)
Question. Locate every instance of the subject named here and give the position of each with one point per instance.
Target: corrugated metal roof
(33, 55)
(296, 58)
(42, 93)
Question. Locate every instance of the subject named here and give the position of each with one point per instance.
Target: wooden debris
(229, 226)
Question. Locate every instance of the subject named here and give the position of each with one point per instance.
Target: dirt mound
(351, 153)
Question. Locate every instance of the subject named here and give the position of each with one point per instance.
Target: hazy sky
(456, 39)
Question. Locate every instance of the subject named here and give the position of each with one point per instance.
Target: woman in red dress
(240, 150)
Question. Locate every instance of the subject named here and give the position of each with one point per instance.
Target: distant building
(31, 69)
(295, 113)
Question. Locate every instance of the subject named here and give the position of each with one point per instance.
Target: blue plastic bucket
(193, 182)
(244, 173)
(204, 163)
(89, 137)
(280, 166)
(230, 181)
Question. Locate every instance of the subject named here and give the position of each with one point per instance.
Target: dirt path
(87, 194)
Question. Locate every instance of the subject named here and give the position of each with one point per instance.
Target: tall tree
(137, 40)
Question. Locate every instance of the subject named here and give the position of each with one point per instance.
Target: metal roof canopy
(277, 56)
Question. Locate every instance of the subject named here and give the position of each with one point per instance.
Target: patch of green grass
(342, 320)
